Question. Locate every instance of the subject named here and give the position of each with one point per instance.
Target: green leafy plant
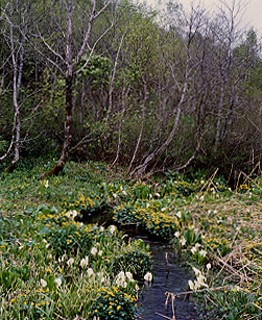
(135, 259)
(113, 304)
(192, 236)
(156, 223)
(69, 240)
(52, 266)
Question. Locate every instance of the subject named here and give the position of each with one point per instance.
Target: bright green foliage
(113, 304)
(60, 263)
(95, 70)
(52, 265)
(68, 239)
(156, 223)
(135, 260)
(94, 202)
(234, 304)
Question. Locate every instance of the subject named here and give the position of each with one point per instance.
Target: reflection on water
(169, 276)
(174, 280)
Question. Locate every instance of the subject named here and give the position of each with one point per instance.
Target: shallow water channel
(169, 276)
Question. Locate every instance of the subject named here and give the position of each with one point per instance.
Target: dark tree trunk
(69, 63)
(59, 166)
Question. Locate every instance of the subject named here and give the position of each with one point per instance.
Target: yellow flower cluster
(151, 219)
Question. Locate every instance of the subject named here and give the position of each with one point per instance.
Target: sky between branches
(251, 14)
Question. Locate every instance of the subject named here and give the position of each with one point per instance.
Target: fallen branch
(163, 316)
(198, 291)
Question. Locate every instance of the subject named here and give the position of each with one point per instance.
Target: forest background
(126, 87)
(118, 82)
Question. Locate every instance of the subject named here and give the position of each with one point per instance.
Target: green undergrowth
(53, 266)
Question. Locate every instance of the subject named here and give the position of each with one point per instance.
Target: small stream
(169, 276)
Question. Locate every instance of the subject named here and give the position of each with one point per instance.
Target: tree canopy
(118, 82)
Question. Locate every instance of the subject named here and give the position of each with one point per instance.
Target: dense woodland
(114, 85)
(118, 82)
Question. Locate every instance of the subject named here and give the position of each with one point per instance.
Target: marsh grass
(52, 267)
(231, 227)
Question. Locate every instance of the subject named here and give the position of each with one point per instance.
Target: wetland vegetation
(53, 267)
(150, 119)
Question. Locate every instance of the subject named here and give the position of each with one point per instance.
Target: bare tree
(15, 19)
(225, 33)
(73, 43)
(194, 23)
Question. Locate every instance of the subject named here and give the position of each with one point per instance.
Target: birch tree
(15, 18)
(64, 48)
(182, 87)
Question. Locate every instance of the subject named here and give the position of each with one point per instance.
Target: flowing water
(169, 276)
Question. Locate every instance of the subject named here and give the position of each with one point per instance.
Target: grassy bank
(53, 267)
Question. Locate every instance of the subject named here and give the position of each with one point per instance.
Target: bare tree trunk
(140, 170)
(226, 65)
(68, 95)
(17, 58)
(67, 66)
(194, 23)
(16, 89)
(138, 142)
(111, 85)
(67, 132)
(141, 129)
(219, 117)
